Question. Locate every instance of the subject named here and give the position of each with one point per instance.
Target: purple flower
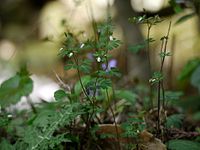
(111, 64)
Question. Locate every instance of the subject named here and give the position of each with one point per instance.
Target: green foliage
(44, 129)
(174, 121)
(157, 77)
(127, 95)
(173, 95)
(14, 88)
(85, 80)
(164, 54)
(182, 145)
(195, 78)
(177, 8)
(146, 20)
(5, 145)
(185, 18)
(188, 69)
(133, 127)
(60, 95)
(138, 47)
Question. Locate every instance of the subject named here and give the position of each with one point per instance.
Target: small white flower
(70, 54)
(98, 59)
(61, 49)
(82, 45)
(9, 116)
(110, 37)
(152, 80)
(138, 131)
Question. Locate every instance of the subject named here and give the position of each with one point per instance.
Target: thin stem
(148, 46)
(114, 119)
(161, 83)
(149, 61)
(158, 121)
(79, 76)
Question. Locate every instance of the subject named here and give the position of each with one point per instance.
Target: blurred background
(33, 31)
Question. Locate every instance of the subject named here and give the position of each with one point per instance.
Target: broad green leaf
(182, 145)
(14, 88)
(188, 69)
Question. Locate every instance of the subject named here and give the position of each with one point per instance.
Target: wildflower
(98, 59)
(140, 19)
(70, 54)
(82, 45)
(111, 64)
(152, 80)
(9, 116)
(111, 38)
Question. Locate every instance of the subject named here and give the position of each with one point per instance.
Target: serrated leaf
(104, 83)
(174, 121)
(182, 145)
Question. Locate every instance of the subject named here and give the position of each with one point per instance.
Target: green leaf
(173, 95)
(164, 54)
(182, 145)
(174, 121)
(60, 95)
(5, 145)
(14, 88)
(85, 80)
(157, 76)
(85, 66)
(137, 48)
(195, 78)
(177, 8)
(185, 18)
(127, 95)
(188, 69)
(104, 83)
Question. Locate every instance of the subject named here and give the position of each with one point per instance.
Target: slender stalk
(87, 121)
(149, 61)
(79, 76)
(161, 83)
(114, 119)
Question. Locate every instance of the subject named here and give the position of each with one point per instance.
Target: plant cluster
(78, 117)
